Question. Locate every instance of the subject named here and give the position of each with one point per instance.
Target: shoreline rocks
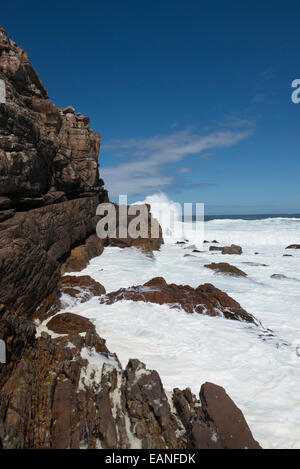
(205, 299)
(71, 392)
(223, 267)
(233, 249)
(63, 388)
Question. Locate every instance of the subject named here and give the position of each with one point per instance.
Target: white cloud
(146, 169)
(184, 170)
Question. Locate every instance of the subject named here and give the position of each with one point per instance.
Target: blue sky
(191, 98)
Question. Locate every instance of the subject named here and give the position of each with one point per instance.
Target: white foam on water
(261, 376)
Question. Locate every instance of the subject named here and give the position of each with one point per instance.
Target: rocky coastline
(60, 386)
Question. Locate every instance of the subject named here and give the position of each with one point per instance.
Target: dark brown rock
(47, 156)
(42, 147)
(82, 287)
(233, 249)
(230, 425)
(52, 395)
(293, 246)
(81, 255)
(205, 299)
(147, 244)
(33, 245)
(215, 248)
(223, 267)
(67, 323)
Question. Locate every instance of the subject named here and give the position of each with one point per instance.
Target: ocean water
(261, 373)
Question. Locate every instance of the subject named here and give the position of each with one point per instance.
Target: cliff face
(44, 150)
(49, 183)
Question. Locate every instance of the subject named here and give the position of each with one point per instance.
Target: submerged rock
(223, 267)
(205, 299)
(233, 249)
(282, 277)
(215, 248)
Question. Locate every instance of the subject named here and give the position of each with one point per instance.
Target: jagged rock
(81, 255)
(278, 276)
(233, 249)
(282, 277)
(223, 267)
(82, 287)
(67, 323)
(293, 246)
(33, 245)
(148, 244)
(5, 203)
(5, 214)
(42, 147)
(255, 264)
(205, 299)
(46, 157)
(71, 392)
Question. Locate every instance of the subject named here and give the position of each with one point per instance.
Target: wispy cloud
(184, 170)
(148, 159)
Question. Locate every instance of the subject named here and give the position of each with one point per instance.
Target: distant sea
(246, 217)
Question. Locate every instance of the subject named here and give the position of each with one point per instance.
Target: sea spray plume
(176, 219)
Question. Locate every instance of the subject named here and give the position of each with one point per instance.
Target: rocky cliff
(60, 386)
(49, 183)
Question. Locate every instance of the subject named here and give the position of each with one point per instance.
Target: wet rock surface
(71, 392)
(233, 249)
(49, 183)
(61, 387)
(66, 323)
(81, 287)
(205, 299)
(225, 268)
(151, 241)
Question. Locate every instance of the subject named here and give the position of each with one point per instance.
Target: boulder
(67, 323)
(293, 246)
(205, 299)
(233, 249)
(225, 268)
(151, 242)
(82, 287)
(82, 254)
(215, 248)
